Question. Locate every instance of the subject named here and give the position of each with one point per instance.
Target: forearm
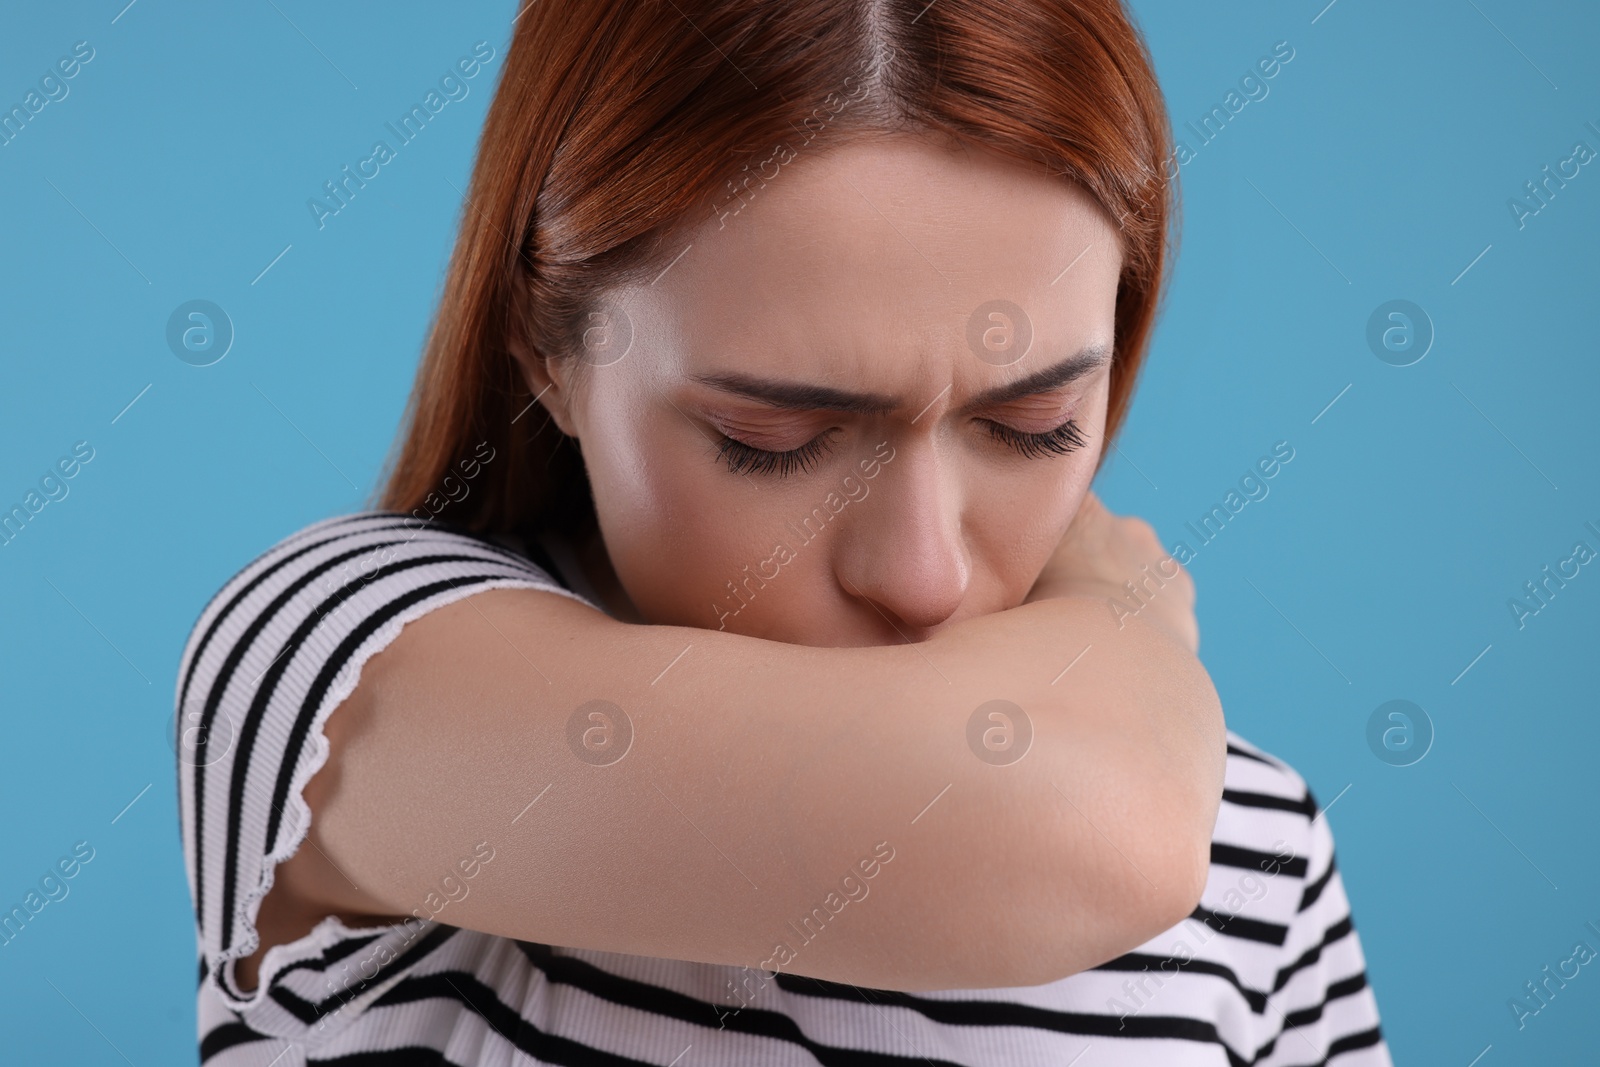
(756, 774)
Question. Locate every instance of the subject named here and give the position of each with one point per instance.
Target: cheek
(678, 526)
(1017, 522)
(1016, 515)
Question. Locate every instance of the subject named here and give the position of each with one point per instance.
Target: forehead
(870, 262)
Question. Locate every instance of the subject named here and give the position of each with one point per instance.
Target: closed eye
(745, 458)
(748, 459)
(1065, 438)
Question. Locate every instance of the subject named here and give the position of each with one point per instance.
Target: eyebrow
(799, 396)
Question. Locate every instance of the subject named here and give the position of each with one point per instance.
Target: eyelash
(1057, 442)
(747, 459)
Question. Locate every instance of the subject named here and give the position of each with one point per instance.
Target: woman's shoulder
(278, 647)
(355, 558)
(380, 535)
(1252, 767)
(351, 580)
(1269, 806)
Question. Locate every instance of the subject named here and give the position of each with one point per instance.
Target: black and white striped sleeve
(273, 653)
(1328, 1011)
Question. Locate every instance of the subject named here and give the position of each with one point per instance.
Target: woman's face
(901, 456)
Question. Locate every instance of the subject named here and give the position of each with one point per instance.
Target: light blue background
(1378, 167)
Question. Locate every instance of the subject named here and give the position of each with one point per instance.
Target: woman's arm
(763, 777)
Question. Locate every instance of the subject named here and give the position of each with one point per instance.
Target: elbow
(1111, 910)
(1040, 938)
(1183, 882)
(1130, 909)
(1174, 854)
(1175, 864)
(1182, 844)
(1174, 833)
(1132, 896)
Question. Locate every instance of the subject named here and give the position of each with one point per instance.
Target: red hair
(619, 124)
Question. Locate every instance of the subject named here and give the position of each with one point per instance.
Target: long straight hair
(619, 125)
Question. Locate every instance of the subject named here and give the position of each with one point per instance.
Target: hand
(1101, 552)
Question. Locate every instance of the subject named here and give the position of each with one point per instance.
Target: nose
(903, 551)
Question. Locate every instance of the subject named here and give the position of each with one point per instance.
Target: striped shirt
(1267, 970)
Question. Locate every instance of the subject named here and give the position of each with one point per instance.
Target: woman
(737, 667)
